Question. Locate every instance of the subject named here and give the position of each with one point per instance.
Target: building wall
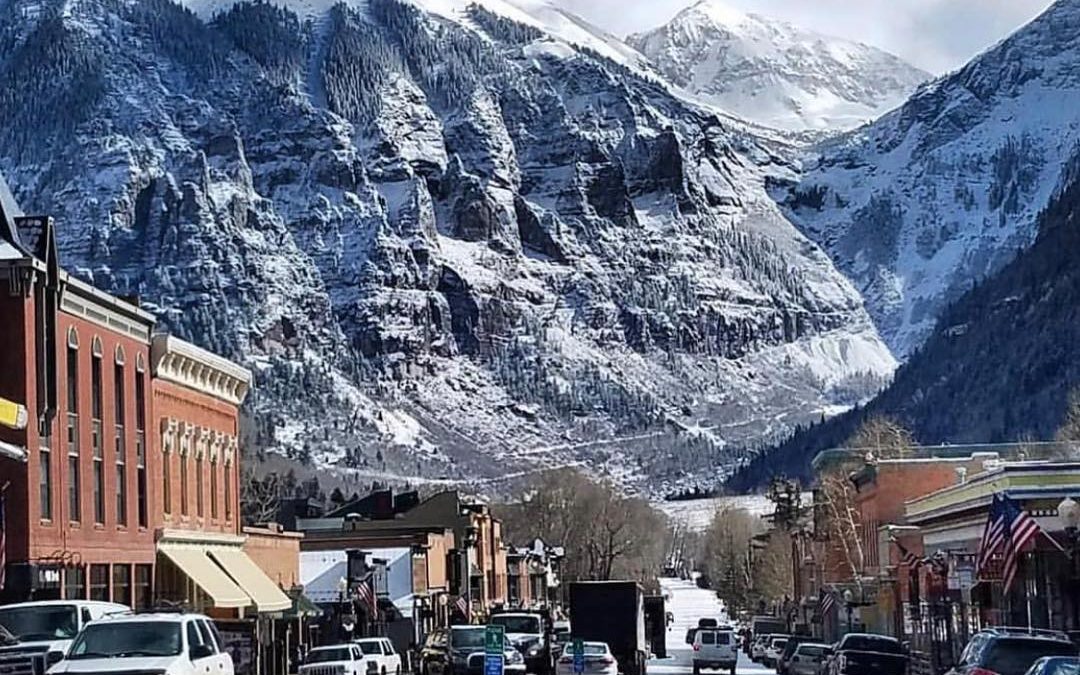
(202, 431)
(276, 552)
(16, 384)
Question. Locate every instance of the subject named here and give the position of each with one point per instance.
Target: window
(121, 448)
(143, 576)
(99, 582)
(75, 583)
(194, 639)
(96, 444)
(199, 464)
(122, 584)
(213, 487)
(166, 472)
(45, 479)
(184, 477)
(228, 489)
(140, 446)
(74, 486)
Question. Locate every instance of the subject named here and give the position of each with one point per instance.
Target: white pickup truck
(36, 635)
(344, 659)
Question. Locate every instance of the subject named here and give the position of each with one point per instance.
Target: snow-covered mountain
(938, 194)
(455, 242)
(774, 73)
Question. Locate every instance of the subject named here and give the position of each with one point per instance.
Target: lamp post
(849, 602)
(1069, 512)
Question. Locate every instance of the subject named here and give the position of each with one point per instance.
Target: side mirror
(201, 652)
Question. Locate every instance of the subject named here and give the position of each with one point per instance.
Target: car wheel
(397, 671)
(697, 669)
(733, 667)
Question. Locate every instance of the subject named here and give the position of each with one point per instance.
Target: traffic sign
(12, 414)
(494, 645)
(579, 656)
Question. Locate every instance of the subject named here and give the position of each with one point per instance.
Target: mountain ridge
(773, 72)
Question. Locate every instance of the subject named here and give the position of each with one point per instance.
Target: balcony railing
(121, 446)
(73, 433)
(95, 439)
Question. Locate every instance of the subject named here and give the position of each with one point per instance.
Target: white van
(715, 648)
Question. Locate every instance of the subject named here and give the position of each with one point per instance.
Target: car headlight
(515, 657)
(534, 650)
(52, 658)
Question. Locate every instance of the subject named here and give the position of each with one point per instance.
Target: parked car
(775, 647)
(346, 659)
(379, 656)
(792, 644)
(715, 648)
(39, 633)
(169, 644)
(598, 660)
(1055, 665)
(1010, 651)
(807, 658)
(459, 650)
(868, 654)
(758, 647)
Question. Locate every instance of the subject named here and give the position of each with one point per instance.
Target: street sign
(579, 656)
(494, 644)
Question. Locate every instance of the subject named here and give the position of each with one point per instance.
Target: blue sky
(936, 35)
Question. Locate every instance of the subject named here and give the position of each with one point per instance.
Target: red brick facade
(84, 510)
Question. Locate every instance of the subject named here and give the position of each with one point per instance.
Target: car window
(807, 650)
(204, 634)
(193, 637)
(86, 618)
(371, 648)
(1064, 668)
(109, 639)
(723, 638)
(218, 640)
(388, 648)
(871, 643)
(357, 654)
(1014, 657)
(708, 637)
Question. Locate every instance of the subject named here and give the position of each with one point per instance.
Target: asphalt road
(688, 603)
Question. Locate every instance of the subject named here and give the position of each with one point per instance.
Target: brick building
(124, 485)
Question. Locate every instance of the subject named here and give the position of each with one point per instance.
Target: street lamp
(849, 601)
(1069, 512)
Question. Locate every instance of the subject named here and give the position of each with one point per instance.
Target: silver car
(807, 659)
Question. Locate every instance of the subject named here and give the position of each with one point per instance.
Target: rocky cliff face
(774, 73)
(451, 244)
(941, 192)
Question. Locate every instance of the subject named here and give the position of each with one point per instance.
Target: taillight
(566, 659)
(981, 671)
(608, 660)
(697, 648)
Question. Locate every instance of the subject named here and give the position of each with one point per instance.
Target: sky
(935, 35)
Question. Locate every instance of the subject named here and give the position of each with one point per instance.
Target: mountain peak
(775, 73)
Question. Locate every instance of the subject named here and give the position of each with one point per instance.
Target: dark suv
(1010, 651)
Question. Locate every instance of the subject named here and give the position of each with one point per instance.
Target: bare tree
(883, 437)
(836, 496)
(260, 497)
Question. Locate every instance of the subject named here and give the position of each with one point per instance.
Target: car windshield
(370, 647)
(330, 654)
(1063, 667)
(467, 638)
(1014, 657)
(39, 623)
(517, 624)
(807, 650)
(779, 644)
(871, 643)
(127, 639)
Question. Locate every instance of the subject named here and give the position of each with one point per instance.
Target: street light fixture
(849, 601)
(1069, 512)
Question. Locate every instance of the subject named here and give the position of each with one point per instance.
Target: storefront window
(122, 584)
(75, 583)
(143, 575)
(99, 582)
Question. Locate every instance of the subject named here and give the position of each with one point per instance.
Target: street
(688, 603)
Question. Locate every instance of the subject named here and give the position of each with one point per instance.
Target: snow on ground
(696, 514)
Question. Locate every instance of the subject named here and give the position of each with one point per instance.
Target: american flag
(365, 593)
(993, 535)
(908, 558)
(1020, 528)
(462, 606)
(826, 601)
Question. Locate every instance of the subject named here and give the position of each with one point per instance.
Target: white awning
(207, 575)
(247, 575)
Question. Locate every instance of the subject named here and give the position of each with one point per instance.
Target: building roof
(191, 366)
(1020, 480)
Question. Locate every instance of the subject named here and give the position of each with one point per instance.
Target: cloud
(937, 35)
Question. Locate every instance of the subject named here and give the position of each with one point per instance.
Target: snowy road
(688, 603)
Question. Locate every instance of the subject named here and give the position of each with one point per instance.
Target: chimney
(961, 475)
